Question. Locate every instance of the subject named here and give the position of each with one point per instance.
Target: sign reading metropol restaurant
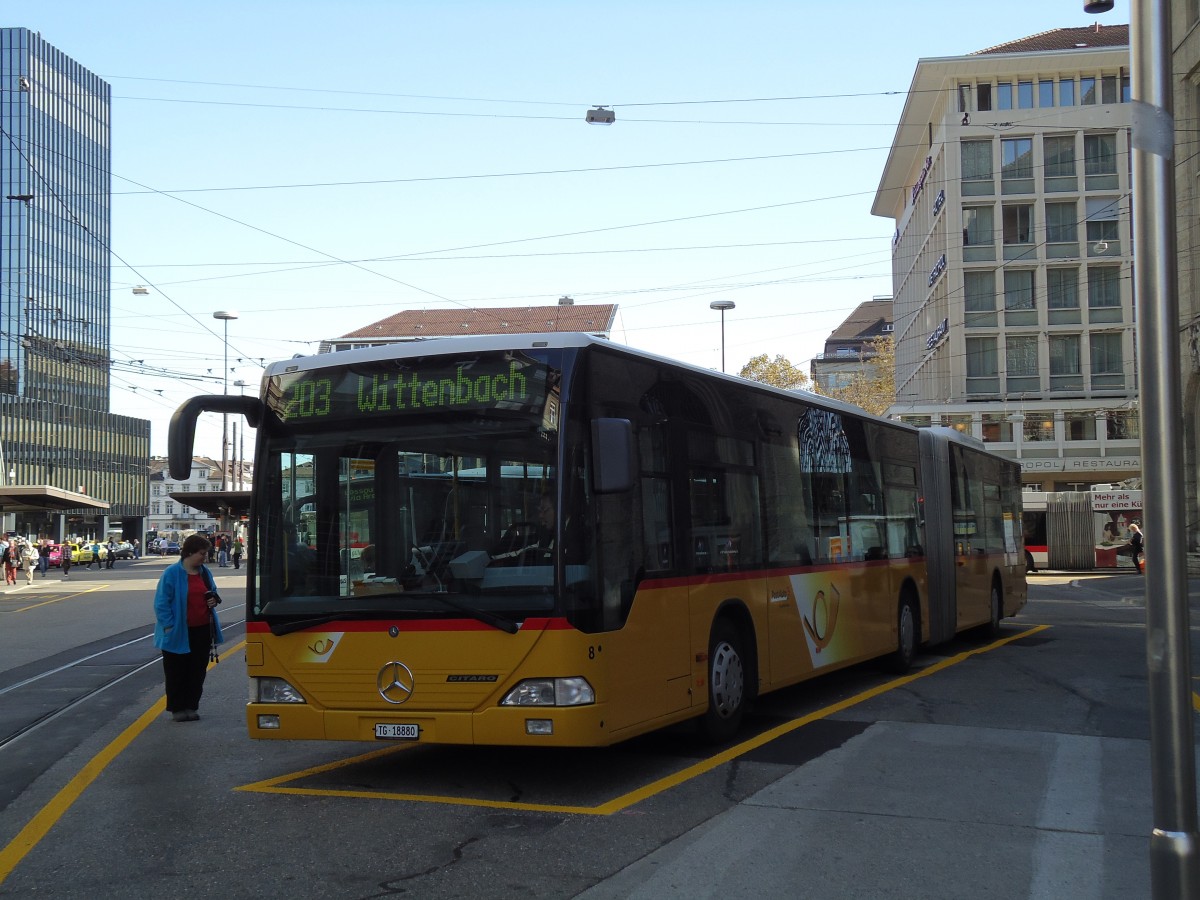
(1083, 464)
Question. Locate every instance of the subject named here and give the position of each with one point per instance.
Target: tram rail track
(38, 698)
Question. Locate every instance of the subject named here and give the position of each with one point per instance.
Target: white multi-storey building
(168, 515)
(1008, 181)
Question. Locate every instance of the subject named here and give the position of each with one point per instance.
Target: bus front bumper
(547, 726)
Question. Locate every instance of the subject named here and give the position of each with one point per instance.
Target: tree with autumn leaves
(874, 388)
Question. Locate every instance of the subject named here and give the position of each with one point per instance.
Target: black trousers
(184, 672)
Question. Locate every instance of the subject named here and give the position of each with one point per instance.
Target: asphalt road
(1018, 768)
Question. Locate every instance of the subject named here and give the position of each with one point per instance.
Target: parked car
(172, 548)
(53, 555)
(123, 550)
(81, 554)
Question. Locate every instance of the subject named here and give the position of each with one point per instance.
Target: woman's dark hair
(194, 543)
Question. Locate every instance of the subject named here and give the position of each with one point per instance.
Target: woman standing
(186, 626)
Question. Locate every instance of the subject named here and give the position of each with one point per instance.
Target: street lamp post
(722, 305)
(225, 316)
(241, 449)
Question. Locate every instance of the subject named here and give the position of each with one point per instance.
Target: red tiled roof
(1065, 39)
(410, 323)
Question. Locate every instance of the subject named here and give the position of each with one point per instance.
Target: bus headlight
(273, 690)
(551, 692)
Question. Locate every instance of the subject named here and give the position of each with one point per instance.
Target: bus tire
(726, 682)
(996, 610)
(906, 634)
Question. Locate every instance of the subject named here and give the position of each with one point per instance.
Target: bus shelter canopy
(44, 497)
(216, 503)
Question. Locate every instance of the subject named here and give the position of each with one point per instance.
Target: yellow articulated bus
(551, 540)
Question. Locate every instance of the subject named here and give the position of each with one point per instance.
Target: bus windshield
(436, 506)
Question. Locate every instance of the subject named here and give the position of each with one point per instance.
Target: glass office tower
(55, 303)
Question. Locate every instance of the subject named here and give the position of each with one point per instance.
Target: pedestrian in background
(186, 627)
(43, 558)
(64, 558)
(1137, 544)
(10, 557)
(29, 559)
(237, 553)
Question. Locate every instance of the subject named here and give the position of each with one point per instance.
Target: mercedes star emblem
(395, 682)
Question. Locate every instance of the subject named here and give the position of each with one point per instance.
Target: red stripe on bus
(529, 624)
(723, 577)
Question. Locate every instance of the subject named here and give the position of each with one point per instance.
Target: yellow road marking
(69, 596)
(48, 815)
(617, 804)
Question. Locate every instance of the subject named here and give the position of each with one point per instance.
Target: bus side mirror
(613, 462)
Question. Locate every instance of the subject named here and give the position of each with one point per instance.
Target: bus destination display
(488, 383)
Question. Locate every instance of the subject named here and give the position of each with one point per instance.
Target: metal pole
(722, 341)
(1174, 859)
(225, 416)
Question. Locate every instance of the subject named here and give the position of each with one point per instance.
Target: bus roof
(546, 340)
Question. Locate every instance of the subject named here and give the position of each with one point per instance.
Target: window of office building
(1123, 425)
(982, 366)
(1025, 95)
(1062, 288)
(979, 298)
(1079, 426)
(1016, 165)
(976, 159)
(1045, 93)
(1066, 92)
(1059, 152)
(1018, 223)
(1108, 89)
(960, 423)
(1021, 364)
(964, 98)
(1100, 154)
(1038, 426)
(1087, 91)
(1066, 369)
(984, 94)
(1004, 95)
(1062, 223)
(997, 428)
(1104, 286)
(1102, 218)
(1100, 162)
(1108, 368)
(979, 233)
(1018, 289)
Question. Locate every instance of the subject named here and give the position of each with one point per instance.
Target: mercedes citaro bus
(549, 539)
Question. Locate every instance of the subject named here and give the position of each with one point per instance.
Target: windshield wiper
(481, 614)
(282, 628)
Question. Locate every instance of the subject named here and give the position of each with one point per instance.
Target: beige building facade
(1185, 24)
(1009, 185)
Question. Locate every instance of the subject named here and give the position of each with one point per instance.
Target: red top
(197, 606)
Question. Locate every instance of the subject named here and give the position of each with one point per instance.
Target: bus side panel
(647, 685)
(942, 613)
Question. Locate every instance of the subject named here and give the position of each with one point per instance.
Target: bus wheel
(726, 683)
(906, 633)
(997, 611)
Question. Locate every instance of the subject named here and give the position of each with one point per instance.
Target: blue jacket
(170, 609)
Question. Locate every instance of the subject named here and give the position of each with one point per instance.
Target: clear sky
(316, 167)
